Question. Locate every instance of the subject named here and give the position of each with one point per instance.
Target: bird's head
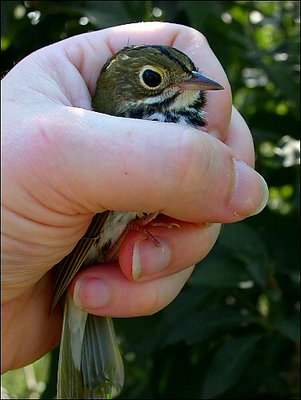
(149, 76)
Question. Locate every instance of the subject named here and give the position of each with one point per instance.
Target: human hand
(62, 163)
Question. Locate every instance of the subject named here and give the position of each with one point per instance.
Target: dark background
(233, 331)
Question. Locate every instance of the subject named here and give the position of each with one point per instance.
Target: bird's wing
(70, 265)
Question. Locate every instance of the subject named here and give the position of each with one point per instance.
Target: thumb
(80, 161)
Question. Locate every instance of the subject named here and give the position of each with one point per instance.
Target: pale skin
(62, 163)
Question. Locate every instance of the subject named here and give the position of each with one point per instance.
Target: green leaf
(219, 272)
(243, 243)
(228, 365)
(202, 325)
(290, 328)
(191, 299)
(192, 8)
(283, 78)
(104, 14)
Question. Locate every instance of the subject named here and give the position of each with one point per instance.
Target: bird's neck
(179, 107)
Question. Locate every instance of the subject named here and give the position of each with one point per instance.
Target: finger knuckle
(193, 161)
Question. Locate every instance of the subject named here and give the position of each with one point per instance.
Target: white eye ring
(150, 77)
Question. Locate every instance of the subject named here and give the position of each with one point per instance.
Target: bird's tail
(90, 364)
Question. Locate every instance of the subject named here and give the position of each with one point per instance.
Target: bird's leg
(139, 225)
(167, 225)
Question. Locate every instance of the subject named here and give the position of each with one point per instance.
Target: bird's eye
(151, 78)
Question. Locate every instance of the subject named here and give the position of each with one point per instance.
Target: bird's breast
(113, 228)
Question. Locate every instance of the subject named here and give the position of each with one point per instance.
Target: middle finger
(180, 244)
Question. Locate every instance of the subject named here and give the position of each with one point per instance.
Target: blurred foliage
(233, 331)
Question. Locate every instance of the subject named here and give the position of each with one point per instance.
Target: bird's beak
(199, 81)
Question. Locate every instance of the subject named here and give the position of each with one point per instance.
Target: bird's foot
(140, 225)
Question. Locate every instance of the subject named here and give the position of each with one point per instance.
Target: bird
(153, 82)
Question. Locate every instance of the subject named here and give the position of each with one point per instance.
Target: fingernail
(251, 192)
(149, 259)
(90, 293)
